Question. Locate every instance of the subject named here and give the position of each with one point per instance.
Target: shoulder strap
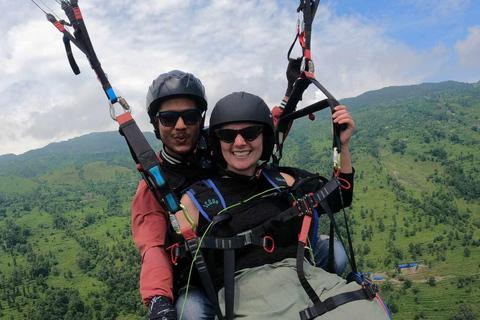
(207, 198)
(274, 177)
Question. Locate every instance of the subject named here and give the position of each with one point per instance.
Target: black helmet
(242, 107)
(174, 84)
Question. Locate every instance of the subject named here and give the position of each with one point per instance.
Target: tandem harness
(303, 207)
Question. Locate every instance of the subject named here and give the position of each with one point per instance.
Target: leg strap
(331, 303)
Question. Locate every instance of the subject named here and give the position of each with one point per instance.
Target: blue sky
(357, 46)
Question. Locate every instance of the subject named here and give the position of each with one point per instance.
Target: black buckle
(305, 205)
(247, 237)
(192, 245)
(371, 289)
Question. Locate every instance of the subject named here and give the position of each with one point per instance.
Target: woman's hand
(341, 116)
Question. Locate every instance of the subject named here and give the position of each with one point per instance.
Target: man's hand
(293, 73)
(161, 308)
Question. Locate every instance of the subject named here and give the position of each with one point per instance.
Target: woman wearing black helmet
(247, 195)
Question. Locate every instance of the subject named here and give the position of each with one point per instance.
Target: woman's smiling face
(242, 155)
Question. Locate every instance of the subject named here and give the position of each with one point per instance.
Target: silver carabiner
(124, 105)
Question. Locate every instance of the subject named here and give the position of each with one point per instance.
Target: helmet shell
(174, 84)
(242, 107)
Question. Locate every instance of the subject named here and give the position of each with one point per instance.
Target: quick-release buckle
(305, 205)
(371, 289)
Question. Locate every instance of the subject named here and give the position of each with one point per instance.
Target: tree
(465, 311)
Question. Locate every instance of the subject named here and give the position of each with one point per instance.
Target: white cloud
(229, 45)
(468, 50)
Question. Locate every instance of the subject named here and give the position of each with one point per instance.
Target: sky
(357, 46)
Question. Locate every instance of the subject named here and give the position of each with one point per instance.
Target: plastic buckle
(305, 205)
(371, 289)
(247, 237)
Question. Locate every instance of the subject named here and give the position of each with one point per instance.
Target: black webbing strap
(229, 280)
(238, 241)
(82, 41)
(294, 211)
(353, 263)
(331, 303)
(318, 198)
(143, 155)
(201, 265)
(331, 251)
(71, 59)
(329, 213)
(76, 19)
(309, 9)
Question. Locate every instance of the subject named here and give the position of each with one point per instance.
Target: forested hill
(103, 146)
(66, 250)
(399, 93)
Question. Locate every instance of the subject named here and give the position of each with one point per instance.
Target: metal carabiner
(336, 159)
(124, 105)
(187, 216)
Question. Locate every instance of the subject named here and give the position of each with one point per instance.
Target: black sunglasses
(170, 118)
(229, 135)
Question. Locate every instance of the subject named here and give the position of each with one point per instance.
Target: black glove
(293, 73)
(161, 308)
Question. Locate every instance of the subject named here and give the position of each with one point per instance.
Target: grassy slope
(409, 121)
(376, 163)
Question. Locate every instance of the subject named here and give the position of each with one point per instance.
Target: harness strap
(76, 19)
(229, 281)
(147, 161)
(351, 257)
(294, 211)
(201, 265)
(300, 258)
(331, 250)
(71, 59)
(331, 303)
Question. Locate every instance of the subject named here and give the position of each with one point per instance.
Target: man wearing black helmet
(176, 105)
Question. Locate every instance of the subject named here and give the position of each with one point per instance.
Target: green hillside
(417, 192)
(65, 231)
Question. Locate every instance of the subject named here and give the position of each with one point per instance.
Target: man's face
(180, 139)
